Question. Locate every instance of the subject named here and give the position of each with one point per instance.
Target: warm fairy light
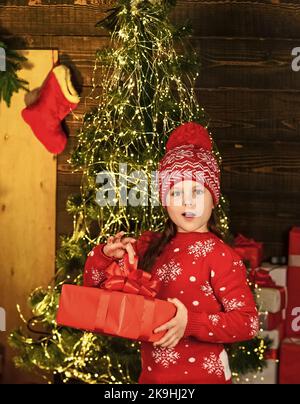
(141, 95)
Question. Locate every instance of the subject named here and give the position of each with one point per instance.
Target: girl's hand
(116, 246)
(176, 326)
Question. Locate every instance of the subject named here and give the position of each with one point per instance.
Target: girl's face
(189, 205)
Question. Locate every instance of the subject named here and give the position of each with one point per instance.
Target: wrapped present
(289, 372)
(270, 321)
(293, 284)
(269, 297)
(277, 272)
(272, 300)
(124, 305)
(269, 374)
(249, 250)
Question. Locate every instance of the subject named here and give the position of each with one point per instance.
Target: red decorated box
(124, 305)
(289, 370)
(293, 284)
(249, 250)
(270, 321)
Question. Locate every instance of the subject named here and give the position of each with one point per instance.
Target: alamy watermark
(296, 60)
(2, 319)
(2, 60)
(134, 189)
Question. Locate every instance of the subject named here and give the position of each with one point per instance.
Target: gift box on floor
(293, 284)
(249, 250)
(278, 273)
(124, 305)
(289, 371)
(270, 321)
(272, 299)
(269, 297)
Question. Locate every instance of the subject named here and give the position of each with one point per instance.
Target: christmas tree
(10, 64)
(143, 85)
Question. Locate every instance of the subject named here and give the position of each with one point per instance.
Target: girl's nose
(188, 202)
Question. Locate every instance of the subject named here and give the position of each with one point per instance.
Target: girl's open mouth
(189, 215)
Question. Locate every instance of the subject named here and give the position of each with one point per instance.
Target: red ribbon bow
(262, 278)
(241, 240)
(125, 277)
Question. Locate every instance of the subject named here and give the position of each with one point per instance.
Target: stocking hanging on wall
(48, 106)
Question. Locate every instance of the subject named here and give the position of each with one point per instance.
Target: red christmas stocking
(56, 99)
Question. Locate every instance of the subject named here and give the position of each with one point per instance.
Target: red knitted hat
(189, 157)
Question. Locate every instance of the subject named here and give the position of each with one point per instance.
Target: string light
(142, 94)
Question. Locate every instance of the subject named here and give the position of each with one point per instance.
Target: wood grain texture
(28, 210)
(246, 85)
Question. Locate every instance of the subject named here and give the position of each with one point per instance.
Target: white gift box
(277, 272)
(270, 299)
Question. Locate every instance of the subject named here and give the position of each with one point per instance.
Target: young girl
(199, 273)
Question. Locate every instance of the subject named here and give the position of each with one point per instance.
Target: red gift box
(270, 321)
(289, 370)
(123, 306)
(269, 296)
(293, 284)
(249, 250)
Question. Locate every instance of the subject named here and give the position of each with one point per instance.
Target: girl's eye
(199, 191)
(176, 193)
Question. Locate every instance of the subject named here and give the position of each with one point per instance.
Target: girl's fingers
(170, 341)
(128, 240)
(166, 338)
(119, 235)
(131, 253)
(116, 246)
(174, 343)
(165, 326)
(110, 240)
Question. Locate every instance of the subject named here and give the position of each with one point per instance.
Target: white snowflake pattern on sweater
(207, 289)
(213, 365)
(254, 326)
(232, 304)
(214, 318)
(238, 263)
(165, 356)
(169, 272)
(201, 248)
(97, 276)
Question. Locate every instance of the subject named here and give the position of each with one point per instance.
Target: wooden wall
(27, 211)
(246, 85)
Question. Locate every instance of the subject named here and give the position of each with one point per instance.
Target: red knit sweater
(209, 278)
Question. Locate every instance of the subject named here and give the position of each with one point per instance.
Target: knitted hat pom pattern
(188, 154)
(189, 133)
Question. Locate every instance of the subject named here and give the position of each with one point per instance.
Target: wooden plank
(215, 18)
(28, 209)
(225, 62)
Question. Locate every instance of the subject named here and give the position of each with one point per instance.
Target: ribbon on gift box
(248, 249)
(124, 277)
(261, 278)
(267, 298)
(269, 321)
(294, 247)
(124, 305)
(294, 260)
(271, 354)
